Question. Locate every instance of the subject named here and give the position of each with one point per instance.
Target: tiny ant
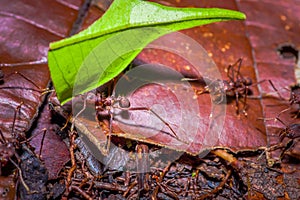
(237, 86)
(9, 146)
(105, 109)
(294, 100)
(292, 133)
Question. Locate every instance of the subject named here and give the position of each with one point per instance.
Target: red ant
(9, 145)
(8, 149)
(105, 109)
(292, 134)
(294, 100)
(237, 86)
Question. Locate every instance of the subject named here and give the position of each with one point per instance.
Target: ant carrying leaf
(104, 108)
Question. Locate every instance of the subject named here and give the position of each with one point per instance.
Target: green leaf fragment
(96, 55)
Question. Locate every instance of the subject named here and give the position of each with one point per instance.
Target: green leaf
(96, 55)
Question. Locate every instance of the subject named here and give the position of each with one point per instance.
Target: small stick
(21, 176)
(83, 193)
(42, 142)
(218, 188)
(73, 162)
(161, 177)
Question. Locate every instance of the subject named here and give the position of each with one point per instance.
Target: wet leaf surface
(27, 27)
(17, 49)
(46, 140)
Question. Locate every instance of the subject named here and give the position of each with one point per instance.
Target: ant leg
(231, 67)
(239, 63)
(23, 76)
(159, 117)
(283, 111)
(230, 76)
(17, 110)
(2, 140)
(245, 100)
(21, 175)
(271, 83)
(288, 145)
(38, 89)
(108, 140)
(237, 108)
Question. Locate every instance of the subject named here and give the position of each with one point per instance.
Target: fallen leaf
(74, 62)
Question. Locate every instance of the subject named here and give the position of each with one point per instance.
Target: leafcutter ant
(9, 146)
(236, 86)
(293, 101)
(289, 137)
(105, 110)
(292, 132)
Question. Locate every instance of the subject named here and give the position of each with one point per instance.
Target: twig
(218, 188)
(21, 176)
(42, 143)
(83, 193)
(161, 177)
(73, 162)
